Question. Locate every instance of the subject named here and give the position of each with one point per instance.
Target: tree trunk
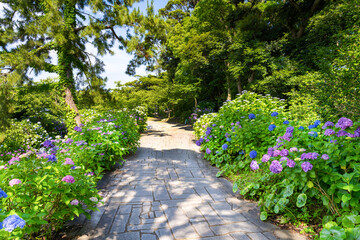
(64, 68)
(228, 82)
(239, 86)
(69, 99)
(251, 78)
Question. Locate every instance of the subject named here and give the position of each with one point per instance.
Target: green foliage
(318, 169)
(43, 198)
(23, 134)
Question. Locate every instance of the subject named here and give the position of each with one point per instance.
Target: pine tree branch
(295, 5)
(121, 39)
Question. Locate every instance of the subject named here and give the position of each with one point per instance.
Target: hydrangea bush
(305, 173)
(42, 188)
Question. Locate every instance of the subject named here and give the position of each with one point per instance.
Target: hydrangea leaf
(301, 200)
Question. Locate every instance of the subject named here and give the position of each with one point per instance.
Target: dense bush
(306, 173)
(41, 188)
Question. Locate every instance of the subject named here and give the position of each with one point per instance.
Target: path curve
(167, 191)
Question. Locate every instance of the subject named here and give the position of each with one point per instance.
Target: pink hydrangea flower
(14, 182)
(74, 202)
(68, 161)
(68, 179)
(14, 160)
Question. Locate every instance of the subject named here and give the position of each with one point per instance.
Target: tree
(32, 29)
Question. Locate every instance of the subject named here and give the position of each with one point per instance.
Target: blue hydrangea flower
(313, 134)
(286, 122)
(241, 153)
(52, 158)
(312, 126)
(253, 154)
(251, 116)
(274, 114)
(12, 222)
(317, 122)
(272, 127)
(48, 144)
(1, 225)
(3, 194)
(228, 139)
(225, 146)
(301, 128)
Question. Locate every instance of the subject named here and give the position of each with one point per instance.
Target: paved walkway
(167, 191)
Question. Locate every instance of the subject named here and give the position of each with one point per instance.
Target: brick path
(166, 191)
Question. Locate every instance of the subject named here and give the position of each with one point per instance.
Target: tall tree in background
(32, 29)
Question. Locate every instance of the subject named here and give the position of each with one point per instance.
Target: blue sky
(115, 65)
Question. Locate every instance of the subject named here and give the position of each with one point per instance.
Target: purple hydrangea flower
(325, 157)
(284, 159)
(78, 129)
(290, 129)
(276, 153)
(69, 140)
(333, 141)
(314, 155)
(237, 123)
(12, 222)
(329, 132)
(14, 181)
(293, 149)
(344, 123)
(341, 133)
(328, 124)
(274, 114)
(284, 153)
(306, 166)
(357, 132)
(254, 165)
(225, 146)
(208, 151)
(74, 202)
(252, 116)
(68, 179)
(265, 158)
(276, 167)
(270, 152)
(253, 154)
(291, 163)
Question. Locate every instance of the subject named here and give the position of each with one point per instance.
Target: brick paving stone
(135, 216)
(223, 237)
(203, 229)
(161, 193)
(119, 223)
(240, 236)
(148, 237)
(124, 236)
(164, 234)
(235, 227)
(257, 236)
(270, 235)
